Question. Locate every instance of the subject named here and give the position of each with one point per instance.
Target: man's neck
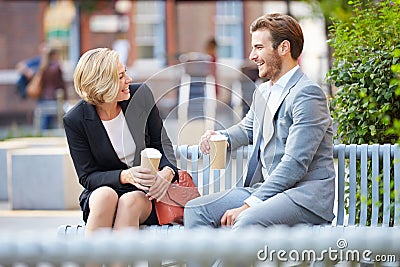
(285, 69)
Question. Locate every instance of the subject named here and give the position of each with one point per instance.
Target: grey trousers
(279, 209)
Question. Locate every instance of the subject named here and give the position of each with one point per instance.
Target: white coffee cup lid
(151, 153)
(218, 137)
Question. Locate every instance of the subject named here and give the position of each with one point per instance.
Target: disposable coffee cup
(218, 145)
(150, 158)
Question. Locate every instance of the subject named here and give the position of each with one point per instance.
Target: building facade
(150, 35)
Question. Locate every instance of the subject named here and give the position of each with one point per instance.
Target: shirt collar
(282, 82)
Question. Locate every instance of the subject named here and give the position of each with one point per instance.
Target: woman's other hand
(160, 187)
(138, 176)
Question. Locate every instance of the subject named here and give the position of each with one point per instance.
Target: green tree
(366, 107)
(366, 104)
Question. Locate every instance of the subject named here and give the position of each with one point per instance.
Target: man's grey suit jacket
(298, 146)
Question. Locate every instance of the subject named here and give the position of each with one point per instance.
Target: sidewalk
(39, 221)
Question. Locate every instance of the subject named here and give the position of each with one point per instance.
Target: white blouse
(121, 138)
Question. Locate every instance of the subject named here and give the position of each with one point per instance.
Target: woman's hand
(138, 176)
(204, 141)
(160, 187)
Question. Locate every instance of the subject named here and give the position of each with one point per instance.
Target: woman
(106, 131)
(52, 85)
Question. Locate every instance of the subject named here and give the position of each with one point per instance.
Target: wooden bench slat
(228, 172)
(217, 180)
(375, 184)
(239, 166)
(206, 174)
(194, 152)
(386, 183)
(364, 184)
(340, 183)
(396, 172)
(352, 182)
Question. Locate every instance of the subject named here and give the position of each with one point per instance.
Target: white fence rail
(327, 246)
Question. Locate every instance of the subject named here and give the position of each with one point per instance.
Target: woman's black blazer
(93, 155)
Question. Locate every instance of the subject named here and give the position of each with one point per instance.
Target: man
(290, 178)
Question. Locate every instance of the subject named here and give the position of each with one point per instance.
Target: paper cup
(218, 145)
(150, 158)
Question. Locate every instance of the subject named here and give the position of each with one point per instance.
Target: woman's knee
(133, 199)
(103, 196)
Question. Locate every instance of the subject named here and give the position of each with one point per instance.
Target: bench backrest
(367, 185)
(370, 176)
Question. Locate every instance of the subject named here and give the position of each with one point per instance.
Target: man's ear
(284, 48)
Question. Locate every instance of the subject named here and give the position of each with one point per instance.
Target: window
(150, 30)
(229, 31)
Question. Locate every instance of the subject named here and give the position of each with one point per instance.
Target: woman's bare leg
(133, 209)
(103, 204)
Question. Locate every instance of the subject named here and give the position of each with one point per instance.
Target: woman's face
(124, 81)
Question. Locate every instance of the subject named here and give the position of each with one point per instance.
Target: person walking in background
(106, 131)
(52, 84)
(27, 69)
(291, 176)
(211, 50)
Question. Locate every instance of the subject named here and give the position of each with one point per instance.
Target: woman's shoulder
(76, 111)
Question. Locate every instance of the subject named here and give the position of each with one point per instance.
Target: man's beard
(274, 66)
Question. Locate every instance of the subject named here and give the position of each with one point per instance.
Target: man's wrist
(252, 201)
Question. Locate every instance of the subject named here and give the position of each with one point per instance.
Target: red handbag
(170, 208)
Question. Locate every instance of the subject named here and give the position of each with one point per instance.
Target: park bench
(364, 197)
(364, 231)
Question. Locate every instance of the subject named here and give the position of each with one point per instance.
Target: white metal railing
(202, 247)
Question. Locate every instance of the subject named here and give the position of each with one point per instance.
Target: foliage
(365, 70)
(396, 82)
(338, 9)
(89, 6)
(366, 104)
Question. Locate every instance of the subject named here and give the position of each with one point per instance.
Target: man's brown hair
(281, 27)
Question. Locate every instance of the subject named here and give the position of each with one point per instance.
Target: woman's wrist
(169, 172)
(126, 177)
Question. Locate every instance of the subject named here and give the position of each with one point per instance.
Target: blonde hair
(96, 78)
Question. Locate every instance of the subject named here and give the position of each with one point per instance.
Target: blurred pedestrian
(52, 84)
(211, 49)
(27, 69)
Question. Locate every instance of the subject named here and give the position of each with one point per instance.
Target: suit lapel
(266, 126)
(261, 115)
(268, 122)
(261, 108)
(136, 118)
(98, 135)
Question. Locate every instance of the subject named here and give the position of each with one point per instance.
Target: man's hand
(204, 141)
(230, 215)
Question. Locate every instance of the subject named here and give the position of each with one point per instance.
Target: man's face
(267, 59)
